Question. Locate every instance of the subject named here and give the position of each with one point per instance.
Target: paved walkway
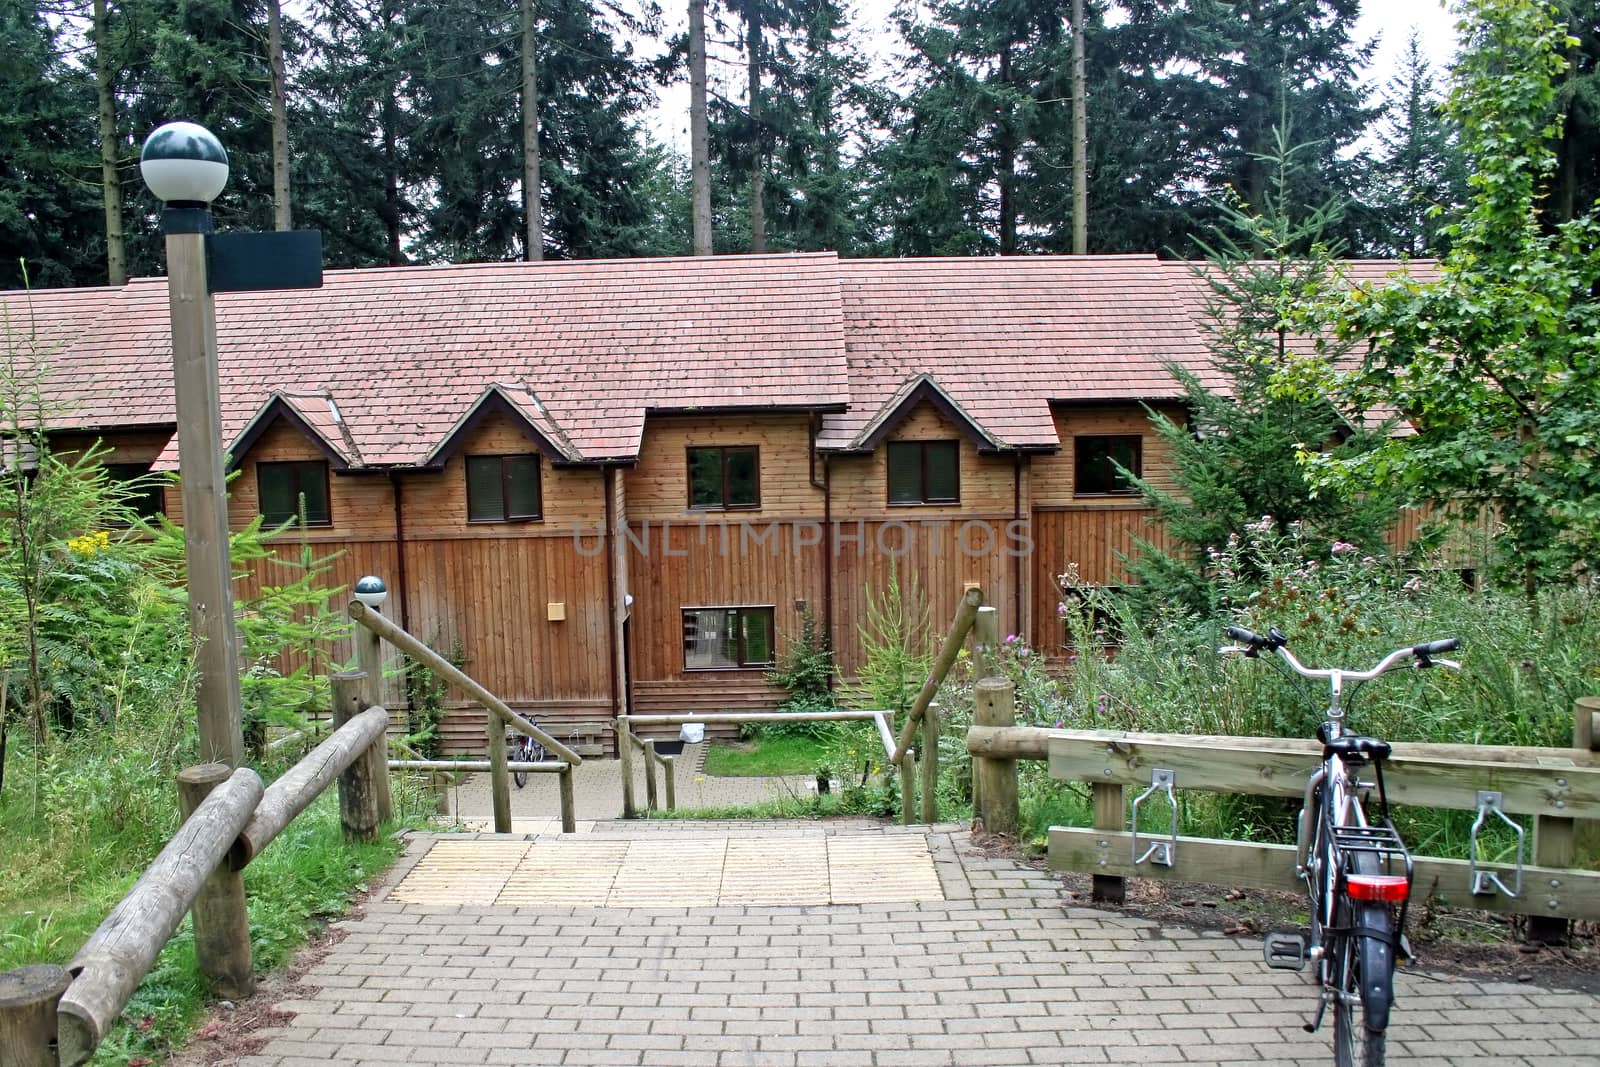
(597, 791)
(995, 967)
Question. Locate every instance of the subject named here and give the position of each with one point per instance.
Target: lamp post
(186, 167)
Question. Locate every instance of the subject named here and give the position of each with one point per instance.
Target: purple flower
(1343, 546)
(1011, 639)
(1060, 723)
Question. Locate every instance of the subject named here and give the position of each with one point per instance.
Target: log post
(221, 920)
(930, 764)
(569, 810)
(1110, 813)
(995, 704)
(499, 774)
(358, 801)
(908, 787)
(625, 755)
(1586, 736)
(669, 775)
(369, 660)
(985, 640)
(651, 797)
(966, 615)
(28, 998)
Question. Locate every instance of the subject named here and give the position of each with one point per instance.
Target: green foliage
(805, 668)
(896, 645)
(1418, 174)
(425, 693)
(770, 756)
(1497, 362)
(1237, 457)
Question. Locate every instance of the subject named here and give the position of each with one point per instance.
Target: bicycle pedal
(1284, 950)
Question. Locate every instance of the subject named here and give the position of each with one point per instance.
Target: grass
(767, 757)
(61, 872)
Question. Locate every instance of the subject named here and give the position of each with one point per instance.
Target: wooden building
(619, 484)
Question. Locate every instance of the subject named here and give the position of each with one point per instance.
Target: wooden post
(569, 810)
(669, 774)
(203, 477)
(966, 615)
(625, 755)
(358, 802)
(986, 640)
(221, 921)
(651, 800)
(499, 775)
(369, 659)
(930, 764)
(1586, 736)
(908, 787)
(995, 704)
(28, 998)
(1110, 814)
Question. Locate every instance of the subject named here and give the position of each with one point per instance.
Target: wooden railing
(372, 626)
(628, 741)
(53, 1015)
(1558, 789)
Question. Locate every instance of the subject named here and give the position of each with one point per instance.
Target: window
(924, 472)
(725, 638)
(144, 493)
(1095, 463)
(287, 487)
(503, 488)
(724, 477)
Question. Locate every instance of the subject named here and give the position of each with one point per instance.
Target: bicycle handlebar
(1422, 653)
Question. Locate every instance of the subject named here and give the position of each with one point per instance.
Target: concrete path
(993, 966)
(597, 791)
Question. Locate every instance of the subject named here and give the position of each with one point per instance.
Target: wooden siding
(939, 557)
(658, 488)
(691, 695)
(719, 563)
(1092, 538)
(861, 483)
(124, 448)
(436, 504)
(1051, 475)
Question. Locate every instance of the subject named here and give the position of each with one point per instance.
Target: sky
(1390, 21)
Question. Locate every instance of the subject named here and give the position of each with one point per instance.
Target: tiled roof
(404, 352)
(386, 366)
(1005, 337)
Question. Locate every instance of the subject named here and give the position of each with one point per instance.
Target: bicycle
(1350, 864)
(520, 748)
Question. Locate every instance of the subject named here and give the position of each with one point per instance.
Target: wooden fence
(1557, 789)
(59, 1015)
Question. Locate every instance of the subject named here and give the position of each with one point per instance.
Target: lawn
(767, 757)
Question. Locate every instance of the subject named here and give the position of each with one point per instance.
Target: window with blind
(290, 490)
(1102, 464)
(727, 638)
(724, 477)
(924, 472)
(503, 488)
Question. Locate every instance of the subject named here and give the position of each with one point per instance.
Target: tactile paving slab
(590, 871)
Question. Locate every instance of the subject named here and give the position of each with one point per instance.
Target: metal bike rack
(1486, 882)
(1162, 852)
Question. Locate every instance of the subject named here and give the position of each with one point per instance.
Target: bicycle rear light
(1390, 888)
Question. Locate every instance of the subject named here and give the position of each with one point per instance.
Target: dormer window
(504, 488)
(285, 488)
(924, 472)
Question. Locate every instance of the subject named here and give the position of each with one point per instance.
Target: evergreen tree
(1237, 459)
(49, 214)
(1418, 175)
(1577, 185)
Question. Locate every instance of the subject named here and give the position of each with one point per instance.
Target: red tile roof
(385, 365)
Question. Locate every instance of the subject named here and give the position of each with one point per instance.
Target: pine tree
(1418, 173)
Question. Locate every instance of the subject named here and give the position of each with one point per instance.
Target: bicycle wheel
(519, 754)
(1364, 972)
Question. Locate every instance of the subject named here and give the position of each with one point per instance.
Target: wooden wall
(1091, 537)
(861, 483)
(658, 487)
(1052, 475)
(125, 448)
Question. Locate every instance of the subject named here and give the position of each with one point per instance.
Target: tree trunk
(699, 138)
(1080, 137)
(758, 170)
(281, 214)
(533, 242)
(1007, 146)
(110, 183)
(391, 158)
